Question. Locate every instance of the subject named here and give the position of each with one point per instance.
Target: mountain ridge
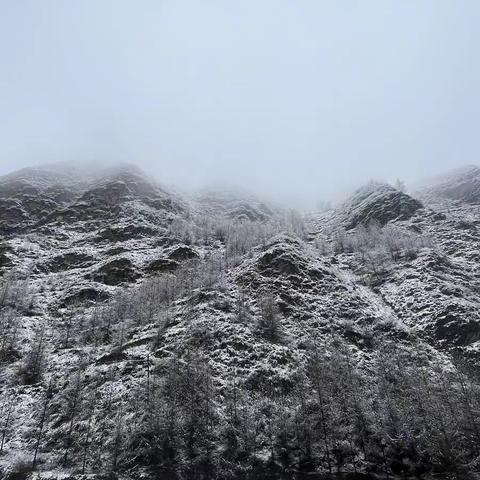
(128, 308)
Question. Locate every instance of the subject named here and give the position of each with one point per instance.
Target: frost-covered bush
(392, 241)
(15, 292)
(378, 247)
(9, 325)
(32, 367)
(239, 236)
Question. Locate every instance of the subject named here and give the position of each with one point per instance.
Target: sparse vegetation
(377, 248)
(251, 351)
(269, 322)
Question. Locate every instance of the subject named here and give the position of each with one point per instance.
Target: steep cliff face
(144, 334)
(377, 203)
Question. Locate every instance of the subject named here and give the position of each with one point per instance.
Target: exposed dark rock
(438, 217)
(13, 216)
(455, 325)
(183, 253)
(285, 256)
(31, 194)
(116, 251)
(117, 271)
(464, 225)
(415, 228)
(13, 212)
(378, 203)
(112, 357)
(281, 260)
(5, 260)
(120, 234)
(85, 295)
(115, 195)
(165, 241)
(435, 261)
(162, 265)
(67, 261)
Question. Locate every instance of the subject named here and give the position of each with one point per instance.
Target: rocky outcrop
(116, 272)
(31, 194)
(128, 232)
(378, 203)
(182, 253)
(65, 195)
(67, 261)
(84, 296)
(162, 265)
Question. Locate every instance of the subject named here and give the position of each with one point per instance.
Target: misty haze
(239, 240)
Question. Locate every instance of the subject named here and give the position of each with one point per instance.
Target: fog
(293, 99)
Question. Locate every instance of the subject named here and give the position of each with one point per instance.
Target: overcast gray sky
(293, 98)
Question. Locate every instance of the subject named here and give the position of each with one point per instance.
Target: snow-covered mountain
(145, 335)
(462, 184)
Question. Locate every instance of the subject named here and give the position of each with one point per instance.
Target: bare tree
(73, 396)
(31, 369)
(6, 413)
(269, 323)
(44, 411)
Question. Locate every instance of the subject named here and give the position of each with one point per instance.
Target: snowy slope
(112, 290)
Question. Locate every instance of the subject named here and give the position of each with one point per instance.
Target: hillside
(145, 335)
(461, 184)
